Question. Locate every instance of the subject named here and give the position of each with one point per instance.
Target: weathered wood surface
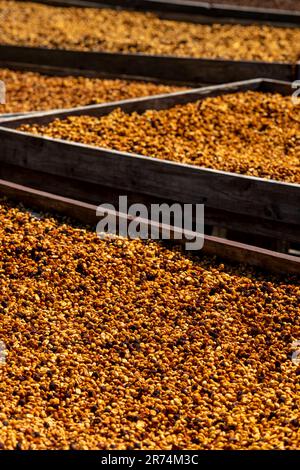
(252, 227)
(180, 69)
(158, 102)
(63, 71)
(185, 183)
(86, 213)
(273, 206)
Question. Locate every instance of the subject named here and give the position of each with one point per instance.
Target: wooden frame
(63, 71)
(249, 204)
(213, 246)
(191, 9)
(187, 70)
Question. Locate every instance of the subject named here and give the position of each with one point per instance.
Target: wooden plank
(86, 213)
(184, 69)
(12, 115)
(63, 71)
(99, 194)
(261, 199)
(157, 102)
(186, 183)
(259, 257)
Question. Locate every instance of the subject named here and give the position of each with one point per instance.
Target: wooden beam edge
(86, 213)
